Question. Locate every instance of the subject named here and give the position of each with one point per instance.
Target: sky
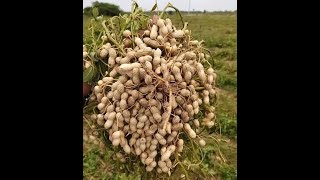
(182, 5)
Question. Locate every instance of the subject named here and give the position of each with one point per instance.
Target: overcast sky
(183, 5)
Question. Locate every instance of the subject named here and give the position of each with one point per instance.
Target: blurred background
(182, 5)
(215, 22)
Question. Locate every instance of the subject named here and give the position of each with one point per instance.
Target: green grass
(219, 31)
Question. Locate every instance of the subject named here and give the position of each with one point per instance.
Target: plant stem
(194, 151)
(93, 39)
(167, 6)
(182, 167)
(170, 5)
(110, 38)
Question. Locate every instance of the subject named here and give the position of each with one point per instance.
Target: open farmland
(219, 31)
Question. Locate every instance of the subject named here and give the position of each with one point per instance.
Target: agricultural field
(219, 32)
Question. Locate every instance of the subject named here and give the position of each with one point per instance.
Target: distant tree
(204, 11)
(170, 12)
(87, 11)
(105, 9)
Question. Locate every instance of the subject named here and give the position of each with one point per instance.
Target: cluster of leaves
(112, 28)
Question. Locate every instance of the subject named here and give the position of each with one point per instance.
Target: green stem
(185, 27)
(93, 39)
(177, 10)
(111, 22)
(194, 151)
(182, 167)
(114, 29)
(210, 55)
(125, 26)
(134, 13)
(167, 6)
(99, 37)
(110, 38)
(131, 26)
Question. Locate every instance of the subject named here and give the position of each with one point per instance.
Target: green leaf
(134, 6)
(154, 7)
(95, 12)
(89, 74)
